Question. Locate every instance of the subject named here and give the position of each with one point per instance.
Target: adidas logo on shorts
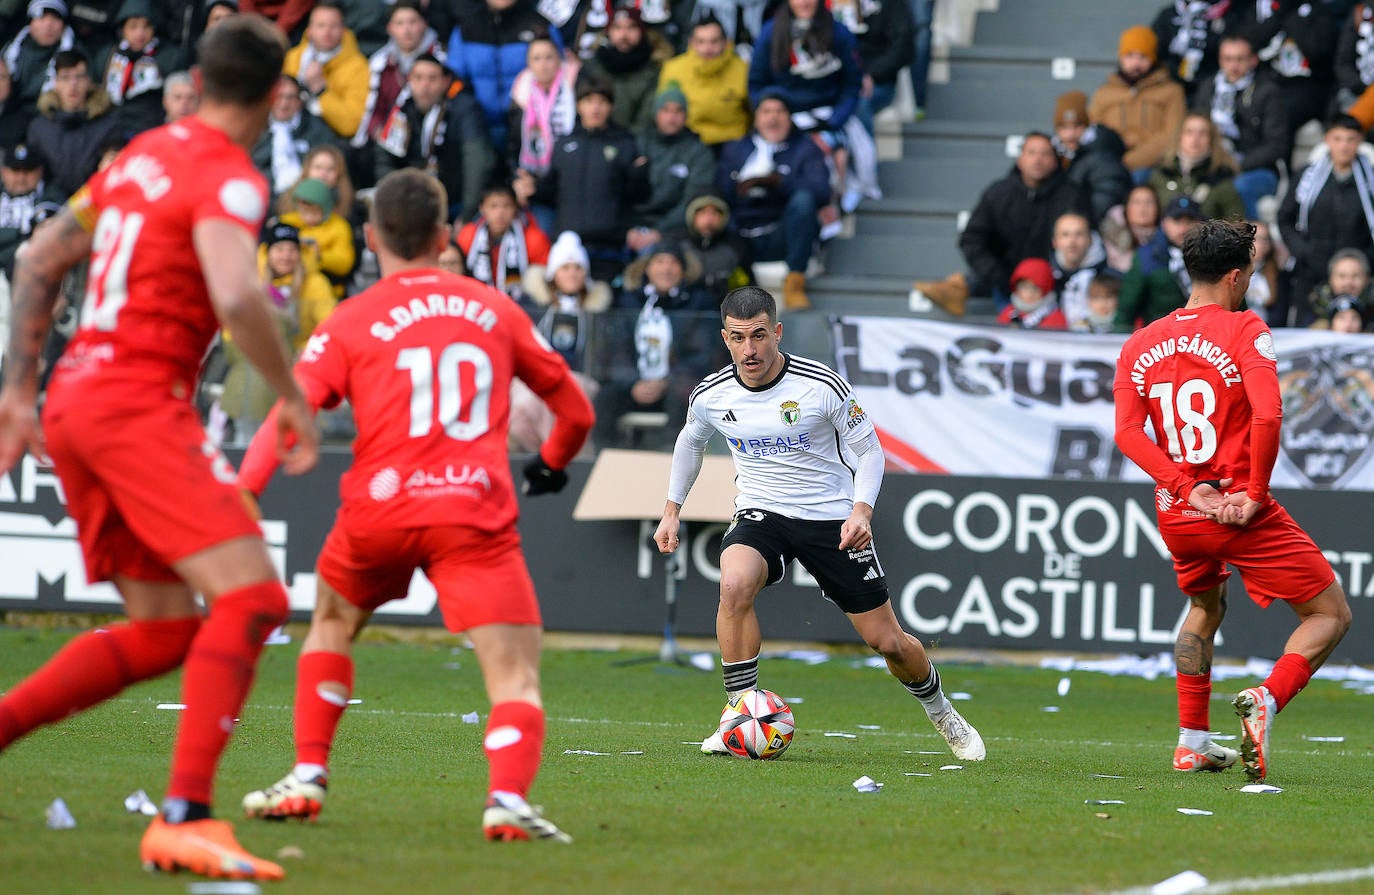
(871, 574)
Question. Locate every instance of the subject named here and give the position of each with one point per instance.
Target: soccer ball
(756, 724)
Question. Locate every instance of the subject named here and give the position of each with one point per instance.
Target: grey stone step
(1044, 25)
(884, 297)
(933, 227)
(1020, 106)
(894, 256)
(961, 180)
(916, 146)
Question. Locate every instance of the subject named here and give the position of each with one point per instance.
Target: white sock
(308, 771)
(1197, 740)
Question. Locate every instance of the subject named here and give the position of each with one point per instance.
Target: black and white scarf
(1179, 271)
(1282, 52)
(1364, 45)
(396, 136)
(653, 338)
(564, 324)
(1224, 104)
(11, 55)
(502, 267)
(1314, 179)
(1031, 318)
(390, 59)
(1192, 20)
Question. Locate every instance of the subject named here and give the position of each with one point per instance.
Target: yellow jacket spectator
(326, 238)
(716, 82)
(305, 292)
(1140, 101)
(328, 64)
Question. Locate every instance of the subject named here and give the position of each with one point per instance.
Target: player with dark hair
(425, 358)
(171, 228)
(1205, 377)
(809, 466)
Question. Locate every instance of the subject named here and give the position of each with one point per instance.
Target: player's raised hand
(666, 535)
(19, 430)
(298, 441)
(857, 530)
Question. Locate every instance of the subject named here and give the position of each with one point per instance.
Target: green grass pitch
(408, 780)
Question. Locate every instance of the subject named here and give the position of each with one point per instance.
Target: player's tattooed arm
(55, 247)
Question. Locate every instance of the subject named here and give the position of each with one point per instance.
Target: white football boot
(963, 740)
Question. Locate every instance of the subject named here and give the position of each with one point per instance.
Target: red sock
(1194, 692)
(514, 742)
(218, 674)
(1291, 673)
(318, 711)
(92, 668)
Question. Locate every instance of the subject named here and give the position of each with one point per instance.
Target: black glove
(541, 478)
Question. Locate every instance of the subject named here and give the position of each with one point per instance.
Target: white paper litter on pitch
(1260, 787)
(843, 736)
(1198, 812)
(870, 726)
(808, 656)
(278, 637)
(1103, 802)
(634, 752)
(241, 887)
(1180, 884)
(867, 784)
(915, 774)
(1049, 708)
(703, 661)
(1064, 685)
(1110, 776)
(137, 802)
(172, 706)
(952, 767)
(1323, 739)
(793, 700)
(355, 701)
(471, 717)
(921, 752)
(959, 696)
(585, 752)
(59, 817)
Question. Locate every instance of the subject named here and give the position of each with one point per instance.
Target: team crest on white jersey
(791, 412)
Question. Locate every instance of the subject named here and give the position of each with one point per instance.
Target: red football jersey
(146, 301)
(1206, 379)
(425, 358)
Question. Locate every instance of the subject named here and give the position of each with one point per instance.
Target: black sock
(183, 811)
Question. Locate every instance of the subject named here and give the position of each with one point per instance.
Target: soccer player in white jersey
(809, 466)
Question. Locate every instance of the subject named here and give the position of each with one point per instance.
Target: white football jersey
(790, 440)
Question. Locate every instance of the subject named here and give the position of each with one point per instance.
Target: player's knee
(888, 644)
(264, 605)
(737, 592)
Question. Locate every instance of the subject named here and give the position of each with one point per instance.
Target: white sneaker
(1256, 708)
(289, 797)
(963, 740)
(714, 745)
(511, 818)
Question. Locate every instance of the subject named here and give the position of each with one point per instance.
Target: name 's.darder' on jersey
(790, 439)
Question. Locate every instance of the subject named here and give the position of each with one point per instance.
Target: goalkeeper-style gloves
(541, 478)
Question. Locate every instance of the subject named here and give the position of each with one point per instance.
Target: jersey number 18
(1198, 433)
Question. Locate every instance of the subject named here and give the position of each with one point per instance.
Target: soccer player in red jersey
(1205, 378)
(425, 358)
(171, 228)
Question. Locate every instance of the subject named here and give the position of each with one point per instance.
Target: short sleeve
(240, 197)
(1258, 344)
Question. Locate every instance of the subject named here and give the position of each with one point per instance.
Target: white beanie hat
(567, 249)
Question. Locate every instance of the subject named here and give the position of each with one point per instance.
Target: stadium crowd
(617, 166)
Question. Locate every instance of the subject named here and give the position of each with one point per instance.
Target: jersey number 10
(1196, 442)
(458, 424)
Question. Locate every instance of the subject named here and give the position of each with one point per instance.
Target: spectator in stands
(28, 58)
(1140, 101)
(721, 254)
(370, 21)
(715, 81)
(136, 67)
(679, 168)
(923, 12)
(594, 178)
(543, 107)
(814, 61)
(1347, 274)
(1347, 315)
(1034, 304)
(1263, 293)
(777, 182)
(1104, 300)
(325, 163)
(502, 244)
(1013, 220)
(1354, 65)
(179, 96)
(884, 31)
(25, 202)
(217, 11)
(288, 14)
(1157, 282)
(1131, 226)
(562, 301)
(326, 238)
(487, 50)
(409, 37)
(1247, 107)
(74, 120)
(302, 291)
(663, 340)
(437, 126)
(1077, 259)
(328, 64)
(1188, 32)
(629, 57)
(1200, 168)
(291, 132)
(742, 21)
(1297, 41)
(1091, 153)
(1328, 207)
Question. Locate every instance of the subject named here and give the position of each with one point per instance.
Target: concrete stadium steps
(884, 297)
(1061, 27)
(946, 178)
(902, 256)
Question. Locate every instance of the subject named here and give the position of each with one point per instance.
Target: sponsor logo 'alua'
(387, 483)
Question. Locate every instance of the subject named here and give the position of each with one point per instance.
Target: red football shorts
(480, 577)
(1276, 559)
(143, 482)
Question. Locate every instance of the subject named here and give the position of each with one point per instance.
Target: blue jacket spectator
(819, 70)
(487, 51)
